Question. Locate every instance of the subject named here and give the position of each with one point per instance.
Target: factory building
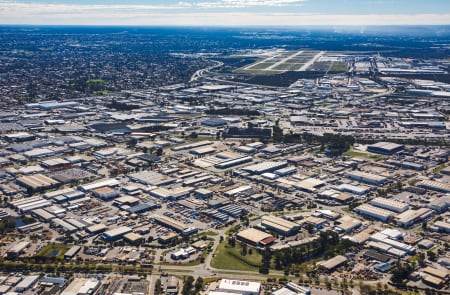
(374, 212)
(389, 204)
(81, 286)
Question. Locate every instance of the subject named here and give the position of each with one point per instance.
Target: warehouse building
(175, 225)
(408, 218)
(112, 182)
(72, 252)
(238, 287)
(37, 182)
(18, 249)
(116, 234)
(382, 238)
(435, 186)
(265, 167)
(333, 263)
(374, 212)
(105, 193)
(279, 225)
(442, 226)
(385, 148)
(255, 237)
(357, 190)
(171, 194)
(151, 178)
(233, 162)
(81, 286)
(292, 289)
(26, 283)
(366, 177)
(389, 204)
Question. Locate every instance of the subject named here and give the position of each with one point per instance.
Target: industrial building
(116, 234)
(37, 182)
(72, 252)
(255, 237)
(18, 249)
(389, 204)
(265, 167)
(435, 186)
(385, 148)
(151, 178)
(239, 287)
(81, 286)
(26, 283)
(366, 177)
(292, 289)
(333, 263)
(175, 225)
(375, 212)
(279, 225)
(408, 218)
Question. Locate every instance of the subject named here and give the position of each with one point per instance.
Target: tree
(158, 287)
(187, 286)
(198, 285)
(431, 255)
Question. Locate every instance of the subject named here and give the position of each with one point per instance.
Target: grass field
(338, 67)
(353, 154)
(54, 250)
(227, 257)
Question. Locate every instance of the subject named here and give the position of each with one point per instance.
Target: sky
(225, 12)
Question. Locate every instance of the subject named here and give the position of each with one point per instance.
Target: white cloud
(249, 3)
(186, 13)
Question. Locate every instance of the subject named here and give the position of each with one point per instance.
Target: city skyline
(225, 12)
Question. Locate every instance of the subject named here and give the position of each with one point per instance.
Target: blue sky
(226, 12)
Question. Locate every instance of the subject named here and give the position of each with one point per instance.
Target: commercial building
(375, 212)
(279, 225)
(389, 204)
(385, 148)
(239, 287)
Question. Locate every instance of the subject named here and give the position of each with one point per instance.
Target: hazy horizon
(225, 12)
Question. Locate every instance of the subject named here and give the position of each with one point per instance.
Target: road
(198, 74)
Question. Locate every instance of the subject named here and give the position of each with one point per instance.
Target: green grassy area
(207, 281)
(353, 154)
(227, 257)
(99, 81)
(51, 249)
(439, 168)
(338, 67)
